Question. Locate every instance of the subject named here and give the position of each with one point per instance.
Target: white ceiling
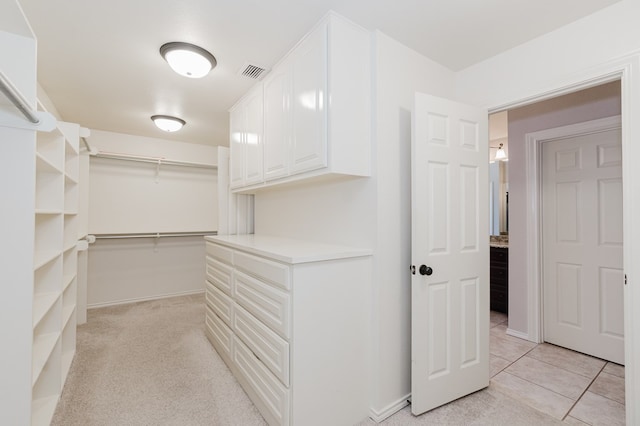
(99, 63)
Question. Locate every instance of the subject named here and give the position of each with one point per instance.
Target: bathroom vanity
(499, 276)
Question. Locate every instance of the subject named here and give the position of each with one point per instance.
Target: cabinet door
(277, 123)
(236, 147)
(309, 103)
(254, 164)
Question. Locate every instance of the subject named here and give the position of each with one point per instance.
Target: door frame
(533, 168)
(626, 69)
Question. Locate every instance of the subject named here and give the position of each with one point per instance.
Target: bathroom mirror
(499, 198)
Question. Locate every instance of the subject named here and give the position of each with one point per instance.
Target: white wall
(598, 102)
(399, 73)
(126, 270)
(122, 271)
(547, 62)
(134, 197)
(581, 53)
(338, 212)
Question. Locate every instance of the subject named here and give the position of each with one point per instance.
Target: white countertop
(288, 250)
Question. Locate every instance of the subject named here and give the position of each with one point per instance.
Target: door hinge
(412, 268)
(625, 279)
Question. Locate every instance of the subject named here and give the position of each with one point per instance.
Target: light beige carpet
(150, 363)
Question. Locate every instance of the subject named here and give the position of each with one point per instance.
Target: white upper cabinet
(277, 123)
(317, 109)
(246, 140)
(236, 147)
(308, 103)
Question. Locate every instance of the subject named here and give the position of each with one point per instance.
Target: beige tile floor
(569, 386)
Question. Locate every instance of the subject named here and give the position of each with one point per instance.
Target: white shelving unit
(38, 171)
(55, 266)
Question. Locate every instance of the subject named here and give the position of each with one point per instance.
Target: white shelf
(55, 267)
(70, 148)
(43, 165)
(67, 280)
(43, 409)
(48, 233)
(69, 179)
(49, 188)
(70, 239)
(48, 211)
(43, 257)
(42, 348)
(67, 359)
(70, 246)
(50, 146)
(41, 305)
(67, 313)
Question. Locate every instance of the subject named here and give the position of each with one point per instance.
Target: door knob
(425, 270)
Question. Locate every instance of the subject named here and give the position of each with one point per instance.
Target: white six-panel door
(450, 307)
(582, 244)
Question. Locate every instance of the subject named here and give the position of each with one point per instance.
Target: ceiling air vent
(252, 71)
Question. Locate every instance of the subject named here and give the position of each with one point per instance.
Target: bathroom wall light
(168, 123)
(500, 154)
(187, 59)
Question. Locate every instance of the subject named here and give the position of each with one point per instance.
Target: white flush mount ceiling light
(168, 123)
(500, 154)
(187, 59)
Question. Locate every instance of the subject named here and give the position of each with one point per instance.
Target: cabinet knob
(425, 270)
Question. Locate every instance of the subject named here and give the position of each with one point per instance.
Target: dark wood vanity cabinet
(499, 279)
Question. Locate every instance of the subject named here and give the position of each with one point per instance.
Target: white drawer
(220, 275)
(267, 303)
(270, 348)
(266, 270)
(219, 303)
(220, 336)
(267, 393)
(221, 253)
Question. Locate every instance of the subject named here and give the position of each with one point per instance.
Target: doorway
(526, 305)
(525, 124)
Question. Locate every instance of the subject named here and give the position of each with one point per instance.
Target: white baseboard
(142, 299)
(389, 410)
(520, 335)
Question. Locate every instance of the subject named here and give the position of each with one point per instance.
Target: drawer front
(220, 336)
(270, 348)
(220, 275)
(266, 270)
(219, 303)
(267, 393)
(220, 253)
(267, 303)
(499, 301)
(500, 255)
(498, 273)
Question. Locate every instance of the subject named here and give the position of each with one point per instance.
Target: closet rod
(154, 235)
(16, 98)
(154, 160)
